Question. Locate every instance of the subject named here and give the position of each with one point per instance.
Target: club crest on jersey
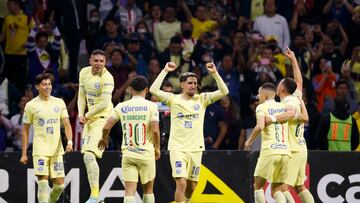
(196, 107)
(178, 164)
(41, 122)
(41, 162)
(180, 115)
(97, 85)
(56, 109)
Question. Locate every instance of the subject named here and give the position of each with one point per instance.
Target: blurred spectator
(353, 30)
(9, 97)
(154, 70)
(3, 12)
(353, 66)
(166, 29)
(120, 71)
(215, 127)
(338, 131)
(342, 90)
(233, 119)
(15, 32)
(303, 54)
(17, 122)
(314, 117)
(230, 75)
(145, 35)
(43, 55)
(128, 15)
(5, 127)
(111, 34)
(302, 12)
(187, 41)
(257, 9)
(272, 25)
(248, 125)
(325, 83)
(71, 18)
(141, 51)
(340, 10)
(94, 24)
(153, 19)
(201, 23)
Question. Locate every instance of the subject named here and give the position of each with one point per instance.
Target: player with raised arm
(95, 88)
(186, 141)
(290, 93)
(275, 152)
(141, 140)
(45, 113)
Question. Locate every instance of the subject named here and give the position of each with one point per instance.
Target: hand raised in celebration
(211, 67)
(170, 67)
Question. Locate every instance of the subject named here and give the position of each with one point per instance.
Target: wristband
(70, 142)
(273, 119)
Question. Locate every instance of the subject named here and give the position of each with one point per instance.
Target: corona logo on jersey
(276, 111)
(127, 109)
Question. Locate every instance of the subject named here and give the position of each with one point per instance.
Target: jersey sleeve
(259, 111)
(28, 114)
(154, 113)
(108, 84)
(297, 93)
(64, 112)
(115, 115)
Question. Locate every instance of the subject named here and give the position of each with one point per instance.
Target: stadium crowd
(245, 39)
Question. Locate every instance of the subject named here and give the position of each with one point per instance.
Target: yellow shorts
(186, 164)
(52, 166)
(296, 170)
(91, 136)
(133, 168)
(272, 167)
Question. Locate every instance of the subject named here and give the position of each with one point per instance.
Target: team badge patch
(178, 164)
(56, 109)
(97, 85)
(41, 122)
(196, 107)
(41, 162)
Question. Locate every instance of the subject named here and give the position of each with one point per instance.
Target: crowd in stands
(245, 39)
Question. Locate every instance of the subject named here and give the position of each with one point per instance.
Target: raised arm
(155, 87)
(296, 69)
(284, 117)
(223, 89)
(303, 116)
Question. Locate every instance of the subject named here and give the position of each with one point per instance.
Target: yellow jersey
(201, 27)
(296, 127)
(16, 29)
(46, 116)
(187, 121)
(136, 116)
(274, 137)
(94, 86)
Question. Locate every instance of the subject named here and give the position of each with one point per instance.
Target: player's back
(296, 127)
(45, 116)
(136, 116)
(274, 137)
(95, 86)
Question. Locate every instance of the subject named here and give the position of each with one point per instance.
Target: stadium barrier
(226, 177)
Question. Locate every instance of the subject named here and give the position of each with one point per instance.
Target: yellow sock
(129, 199)
(93, 171)
(259, 196)
(55, 192)
(94, 192)
(43, 191)
(289, 198)
(279, 197)
(306, 197)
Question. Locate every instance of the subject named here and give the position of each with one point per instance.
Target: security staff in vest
(338, 130)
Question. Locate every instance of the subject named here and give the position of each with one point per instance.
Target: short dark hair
(268, 86)
(43, 76)
(341, 103)
(341, 82)
(175, 40)
(41, 34)
(116, 50)
(290, 85)
(18, 2)
(186, 75)
(139, 83)
(98, 52)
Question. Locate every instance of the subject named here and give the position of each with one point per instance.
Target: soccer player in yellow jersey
(186, 141)
(290, 93)
(141, 140)
(95, 88)
(275, 153)
(45, 113)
